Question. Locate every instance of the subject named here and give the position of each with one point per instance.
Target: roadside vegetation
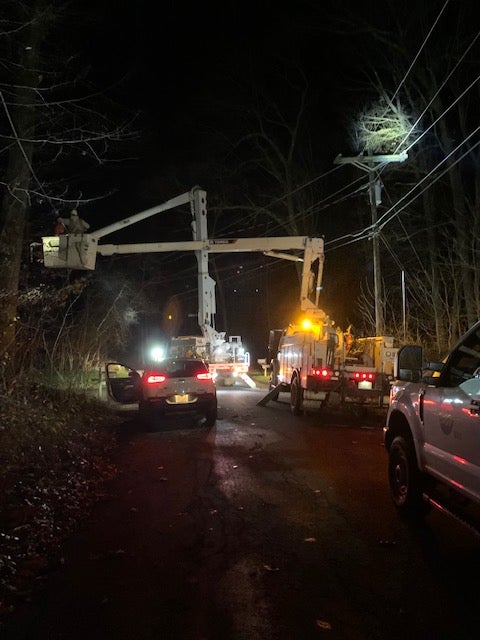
(55, 449)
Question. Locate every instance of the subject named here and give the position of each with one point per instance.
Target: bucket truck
(226, 357)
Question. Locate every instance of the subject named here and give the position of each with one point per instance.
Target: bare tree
(268, 157)
(54, 126)
(433, 72)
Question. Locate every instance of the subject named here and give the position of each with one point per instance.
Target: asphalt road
(268, 526)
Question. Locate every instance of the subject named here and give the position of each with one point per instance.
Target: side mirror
(408, 363)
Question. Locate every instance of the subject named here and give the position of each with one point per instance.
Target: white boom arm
(79, 251)
(185, 198)
(215, 245)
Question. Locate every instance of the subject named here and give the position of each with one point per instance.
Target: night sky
(191, 61)
(181, 67)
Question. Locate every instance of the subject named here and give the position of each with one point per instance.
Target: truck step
(463, 519)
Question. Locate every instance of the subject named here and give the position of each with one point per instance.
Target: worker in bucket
(60, 227)
(76, 224)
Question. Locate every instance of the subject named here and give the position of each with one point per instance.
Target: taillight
(204, 376)
(364, 375)
(155, 378)
(326, 374)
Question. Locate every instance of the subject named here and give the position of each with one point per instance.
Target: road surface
(266, 527)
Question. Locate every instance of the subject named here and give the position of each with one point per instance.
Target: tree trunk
(15, 202)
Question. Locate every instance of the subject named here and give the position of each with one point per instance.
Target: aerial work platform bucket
(70, 251)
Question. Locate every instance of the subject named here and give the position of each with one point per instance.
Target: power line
(457, 160)
(444, 112)
(420, 50)
(435, 95)
(391, 213)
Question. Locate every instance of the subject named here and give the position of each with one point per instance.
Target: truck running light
(364, 376)
(322, 373)
(155, 378)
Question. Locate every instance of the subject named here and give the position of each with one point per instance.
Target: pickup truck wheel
(296, 397)
(405, 480)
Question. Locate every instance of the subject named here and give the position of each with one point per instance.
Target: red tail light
(322, 373)
(155, 378)
(363, 375)
(204, 376)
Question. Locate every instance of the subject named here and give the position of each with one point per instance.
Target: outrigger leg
(271, 395)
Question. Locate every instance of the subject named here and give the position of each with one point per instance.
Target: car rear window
(182, 368)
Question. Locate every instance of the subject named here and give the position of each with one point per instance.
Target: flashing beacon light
(306, 324)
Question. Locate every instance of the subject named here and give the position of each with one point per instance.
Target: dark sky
(171, 60)
(179, 63)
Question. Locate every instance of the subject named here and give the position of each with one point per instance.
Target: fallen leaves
(55, 450)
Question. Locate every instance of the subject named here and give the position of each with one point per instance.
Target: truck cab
(432, 433)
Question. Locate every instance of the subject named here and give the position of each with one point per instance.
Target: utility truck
(313, 359)
(226, 356)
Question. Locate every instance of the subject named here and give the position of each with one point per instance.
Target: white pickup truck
(432, 434)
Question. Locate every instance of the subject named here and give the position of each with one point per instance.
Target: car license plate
(181, 399)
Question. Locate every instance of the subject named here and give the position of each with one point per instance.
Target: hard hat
(73, 212)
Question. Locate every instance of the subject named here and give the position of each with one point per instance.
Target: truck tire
(296, 396)
(405, 479)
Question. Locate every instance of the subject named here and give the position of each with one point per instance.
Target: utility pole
(372, 165)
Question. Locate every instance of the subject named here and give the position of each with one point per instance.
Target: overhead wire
(296, 190)
(416, 141)
(358, 236)
(412, 128)
(425, 40)
(368, 231)
(408, 238)
(394, 213)
(457, 99)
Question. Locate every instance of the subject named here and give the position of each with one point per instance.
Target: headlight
(157, 353)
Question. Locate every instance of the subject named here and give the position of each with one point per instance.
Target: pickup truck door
(451, 416)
